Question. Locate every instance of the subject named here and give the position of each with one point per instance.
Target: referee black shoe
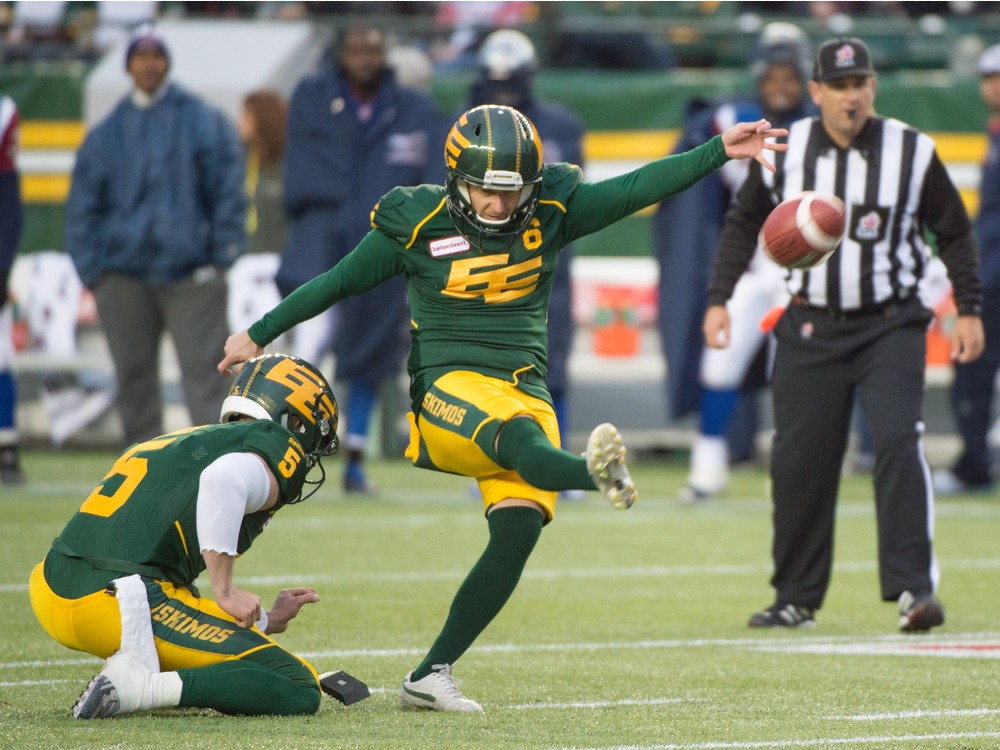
(780, 615)
(919, 612)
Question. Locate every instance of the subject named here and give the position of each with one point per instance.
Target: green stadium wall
(630, 118)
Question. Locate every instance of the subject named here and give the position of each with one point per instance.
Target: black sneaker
(919, 612)
(783, 616)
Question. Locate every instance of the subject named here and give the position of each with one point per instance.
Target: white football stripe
(816, 237)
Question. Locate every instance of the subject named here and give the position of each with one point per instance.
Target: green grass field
(628, 629)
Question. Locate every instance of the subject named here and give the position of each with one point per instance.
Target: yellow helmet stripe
(456, 142)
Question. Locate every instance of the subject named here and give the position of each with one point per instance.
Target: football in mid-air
(803, 231)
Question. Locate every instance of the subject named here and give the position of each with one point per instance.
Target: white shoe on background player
(606, 463)
(438, 691)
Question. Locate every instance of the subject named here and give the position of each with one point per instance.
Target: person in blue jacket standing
(156, 215)
(972, 390)
(506, 66)
(721, 384)
(353, 134)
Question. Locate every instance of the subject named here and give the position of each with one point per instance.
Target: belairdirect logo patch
(449, 246)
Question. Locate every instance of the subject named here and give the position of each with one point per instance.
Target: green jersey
(473, 309)
(142, 517)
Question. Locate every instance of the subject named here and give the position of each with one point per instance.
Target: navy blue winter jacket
(157, 192)
(988, 222)
(337, 169)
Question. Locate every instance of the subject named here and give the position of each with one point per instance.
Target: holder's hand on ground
(287, 606)
(716, 327)
(747, 140)
(239, 348)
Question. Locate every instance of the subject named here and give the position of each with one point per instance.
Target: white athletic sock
(709, 464)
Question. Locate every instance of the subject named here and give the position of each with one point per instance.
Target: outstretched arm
(595, 205)
(748, 140)
(239, 348)
(370, 263)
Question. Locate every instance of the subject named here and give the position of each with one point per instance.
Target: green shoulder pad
(282, 453)
(559, 181)
(404, 210)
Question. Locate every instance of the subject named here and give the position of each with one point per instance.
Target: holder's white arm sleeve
(230, 487)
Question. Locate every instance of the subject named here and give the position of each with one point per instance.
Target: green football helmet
(496, 148)
(290, 391)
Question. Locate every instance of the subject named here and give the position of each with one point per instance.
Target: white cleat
(124, 686)
(606, 463)
(438, 691)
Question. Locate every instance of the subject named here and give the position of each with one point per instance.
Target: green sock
(523, 447)
(513, 534)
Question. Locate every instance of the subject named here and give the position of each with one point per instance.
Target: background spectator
(353, 134)
(252, 292)
(973, 387)
(722, 384)
(11, 213)
(155, 216)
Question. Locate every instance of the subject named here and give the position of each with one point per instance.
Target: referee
(854, 325)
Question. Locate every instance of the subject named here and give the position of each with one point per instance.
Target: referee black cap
(842, 57)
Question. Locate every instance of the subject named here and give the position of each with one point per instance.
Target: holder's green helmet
(496, 148)
(290, 391)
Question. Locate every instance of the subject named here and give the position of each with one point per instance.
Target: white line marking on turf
(950, 650)
(966, 643)
(29, 683)
(48, 663)
(651, 571)
(601, 704)
(969, 641)
(798, 743)
(575, 704)
(946, 713)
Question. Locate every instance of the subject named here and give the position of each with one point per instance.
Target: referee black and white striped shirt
(893, 185)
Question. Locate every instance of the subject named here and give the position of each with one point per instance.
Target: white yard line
(648, 571)
(886, 641)
(826, 742)
(946, 713)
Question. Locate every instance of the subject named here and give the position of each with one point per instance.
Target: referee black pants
(820, 363)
